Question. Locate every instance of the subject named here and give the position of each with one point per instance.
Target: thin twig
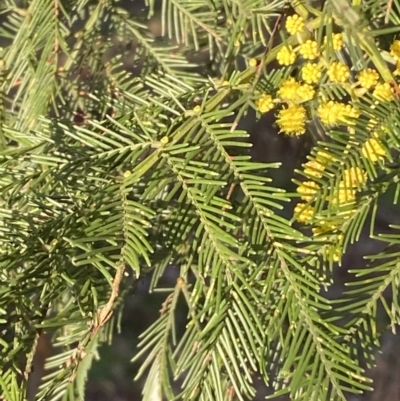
(388, 10)
(105, 313)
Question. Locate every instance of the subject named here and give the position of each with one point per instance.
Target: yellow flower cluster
(332, 112)
(294, 24)
(383, 92)
(337, 41)
(338, 72)
(354, 177)
(293, 91)
(328, 112)
(307, 190)
(343, 194)
(373, 150)
(265, 103)
(311, 73)
(253, 62)
(303, 212)
(368, 78)
(309, 49)
(323, 157)
(314, 168)
(395, 50)
(286, 56)
(292, 120)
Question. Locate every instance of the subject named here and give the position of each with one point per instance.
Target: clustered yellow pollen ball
(306, 92)
(343, 195)
(265, 103)
(293, 91)
(368, 78)
(286, 56)
(337, 41)
(354, 176)
(328, 112)
(288, 89)
(309, 49)
(383, 92)
(292, 120)
(395, 50)
(253, 62)
(307, 190)
(373, 150)
(332, 112)
(323, 157)
(303, 212)
(338, 72)
(311, 73)
(294, 24)
(313, 168)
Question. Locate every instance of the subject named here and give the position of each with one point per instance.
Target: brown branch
(105, 313)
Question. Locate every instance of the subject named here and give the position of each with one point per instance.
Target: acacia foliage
(120, 156)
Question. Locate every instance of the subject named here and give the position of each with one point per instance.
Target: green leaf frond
(121, 156)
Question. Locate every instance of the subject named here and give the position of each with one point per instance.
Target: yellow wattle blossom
(311, 73)
(292, 120)
(338, 72)
(333, 112)
(309, 49)
(368, 78)
(293, 91)
(328, 112)
(306, 92)
(323, 157)
(286, 56)
(307, 190)
(343, 195)
(303, 212)
(383, 92)
(265, 103)
(288, 89)
(373, 150)
(348, 112)
(253, 62)
(314, 168)
(337, 41)
(354, 177)
(395, 50)
(294, 24)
